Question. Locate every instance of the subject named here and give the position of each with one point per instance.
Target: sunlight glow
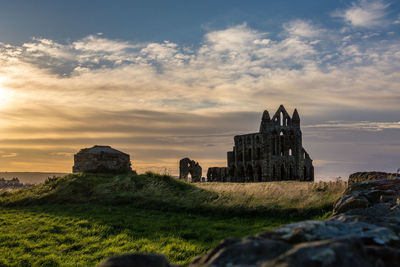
(5, 94)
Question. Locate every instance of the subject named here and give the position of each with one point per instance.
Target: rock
(337, 252)
(354, 201)
(136, 260)
(368, 176)
(101, 159)
(250, 250)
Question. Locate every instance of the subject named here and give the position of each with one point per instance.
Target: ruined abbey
(274, 153)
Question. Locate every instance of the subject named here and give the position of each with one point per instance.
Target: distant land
(30, 177)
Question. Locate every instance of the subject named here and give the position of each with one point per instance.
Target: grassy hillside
(81, 219)
(149, 189)
(30, 177)
(155, 191)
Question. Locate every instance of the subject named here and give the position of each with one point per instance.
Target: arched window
(291, 172)
(273, 172)
(281, 133)
(239, 156)
(290, 151)
(281, 115)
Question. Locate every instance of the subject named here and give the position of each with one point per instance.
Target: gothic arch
(249, 173)
(283, 172)
(258, 174)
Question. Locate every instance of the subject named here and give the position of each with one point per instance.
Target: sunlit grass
(79, 220)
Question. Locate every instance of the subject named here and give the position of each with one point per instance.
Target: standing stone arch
(186, 167)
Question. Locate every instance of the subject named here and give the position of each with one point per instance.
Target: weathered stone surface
(188, 166)
(136, 260)
(367, 176)
(364, 231)
(218, 174)
(101, 159)
(275, 153)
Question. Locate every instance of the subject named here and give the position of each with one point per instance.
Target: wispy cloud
(10, 155)
(365, 13)
(362, 125)
(302, 28)
(161, 101)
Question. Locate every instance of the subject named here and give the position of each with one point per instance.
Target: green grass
(79, 220)
(84, 235)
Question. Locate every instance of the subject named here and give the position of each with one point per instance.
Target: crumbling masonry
(186, 167)
(275, 153)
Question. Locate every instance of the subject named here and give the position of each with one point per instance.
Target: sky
(163, 80)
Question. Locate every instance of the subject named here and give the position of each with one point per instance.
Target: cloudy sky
(162, 80)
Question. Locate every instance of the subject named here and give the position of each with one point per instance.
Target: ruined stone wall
(188, 166)
(275, 153)
(101, 162)
(218, 174)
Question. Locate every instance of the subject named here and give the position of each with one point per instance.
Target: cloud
(161, 101)
(11, 155)
(302, 28)
(362, 126)
(365, 13)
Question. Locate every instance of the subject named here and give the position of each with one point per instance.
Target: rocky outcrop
(363, 231)
(368, 176)
(101, 159)
(137, 260)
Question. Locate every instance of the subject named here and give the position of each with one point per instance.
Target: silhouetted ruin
(186, 167)
(101, 159)
(275, 153)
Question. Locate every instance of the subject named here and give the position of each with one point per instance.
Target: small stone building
(274, 153)
(101, 159)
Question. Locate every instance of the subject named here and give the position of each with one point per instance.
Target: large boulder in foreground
(364, 231)
(101, 159)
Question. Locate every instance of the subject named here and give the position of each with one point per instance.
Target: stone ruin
(186, 167)
(218, 174)
(275, 153)
(101, 159)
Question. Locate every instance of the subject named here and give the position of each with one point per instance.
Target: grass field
(79, 220)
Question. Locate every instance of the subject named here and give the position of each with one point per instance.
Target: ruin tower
(274, 153)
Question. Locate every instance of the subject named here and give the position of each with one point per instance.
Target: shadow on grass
(150, 191)
(83, 219)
